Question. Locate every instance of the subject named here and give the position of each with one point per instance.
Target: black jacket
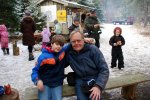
(72, 28)
(115, 39)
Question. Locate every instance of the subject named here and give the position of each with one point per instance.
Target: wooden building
(71, 8)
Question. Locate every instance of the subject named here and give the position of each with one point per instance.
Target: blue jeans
(80, 94)
(50, 93)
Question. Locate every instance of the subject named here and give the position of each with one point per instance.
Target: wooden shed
(72, 9)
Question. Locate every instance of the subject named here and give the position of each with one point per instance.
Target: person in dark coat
(92, 27)
(75, 25)
(28, 29)
(117, 41)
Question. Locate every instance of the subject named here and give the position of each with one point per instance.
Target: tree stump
(129, 92)
(15, 49)
(13, 96)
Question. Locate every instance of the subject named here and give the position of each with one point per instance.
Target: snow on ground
(16, 70)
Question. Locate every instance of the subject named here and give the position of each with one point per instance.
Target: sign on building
(50, 12)
(61, 15)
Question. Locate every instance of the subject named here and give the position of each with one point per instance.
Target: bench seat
(127, 82)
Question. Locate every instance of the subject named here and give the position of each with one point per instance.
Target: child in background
(4, 39)
(48, 74)
(45, 36)
(117, 41)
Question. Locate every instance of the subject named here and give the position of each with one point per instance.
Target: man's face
(92, 14)
(76, 23)
(77, 42)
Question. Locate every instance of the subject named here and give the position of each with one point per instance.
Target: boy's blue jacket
(50, 68)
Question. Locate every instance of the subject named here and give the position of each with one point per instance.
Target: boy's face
(117, 32)
(56, 47)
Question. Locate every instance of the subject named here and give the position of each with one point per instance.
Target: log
(13, 96)
(129, 92)
(15, 49)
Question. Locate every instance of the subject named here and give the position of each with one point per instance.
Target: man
(28, 29)
(90, 67)
(57, 27)
(75, 25)
(92, 27)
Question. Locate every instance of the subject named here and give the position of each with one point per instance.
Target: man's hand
(40, 85)
(95, 93)
(89, 40)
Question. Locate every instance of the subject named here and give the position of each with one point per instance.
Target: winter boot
(4, 52)
(7, 49)
(31, 57)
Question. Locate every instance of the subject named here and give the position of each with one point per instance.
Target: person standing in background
(92, 27)
(117, 41)
(28, 28)
(57, 27)
(4, 39)
(45, 36)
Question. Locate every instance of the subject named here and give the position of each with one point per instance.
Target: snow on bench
(128, 83)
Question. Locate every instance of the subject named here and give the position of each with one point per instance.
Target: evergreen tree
(95, 4)
(83, 2)
(8, 14)
(39, 19)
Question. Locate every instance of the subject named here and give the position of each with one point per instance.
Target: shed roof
(67, 4)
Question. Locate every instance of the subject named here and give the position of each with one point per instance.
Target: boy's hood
(47, 49)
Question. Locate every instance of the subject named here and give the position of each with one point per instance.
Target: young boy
(117, 41)
(48, 74)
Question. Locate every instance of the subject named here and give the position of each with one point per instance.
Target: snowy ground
(16, 70)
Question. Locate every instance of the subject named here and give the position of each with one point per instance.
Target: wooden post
(129, 92)
(15, 49)
(13, 96)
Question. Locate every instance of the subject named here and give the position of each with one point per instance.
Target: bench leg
(129, 92)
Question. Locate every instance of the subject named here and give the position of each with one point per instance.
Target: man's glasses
(76, 41)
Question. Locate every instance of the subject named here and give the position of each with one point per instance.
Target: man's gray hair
(74, 32)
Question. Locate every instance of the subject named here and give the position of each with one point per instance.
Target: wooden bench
(127, 82)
